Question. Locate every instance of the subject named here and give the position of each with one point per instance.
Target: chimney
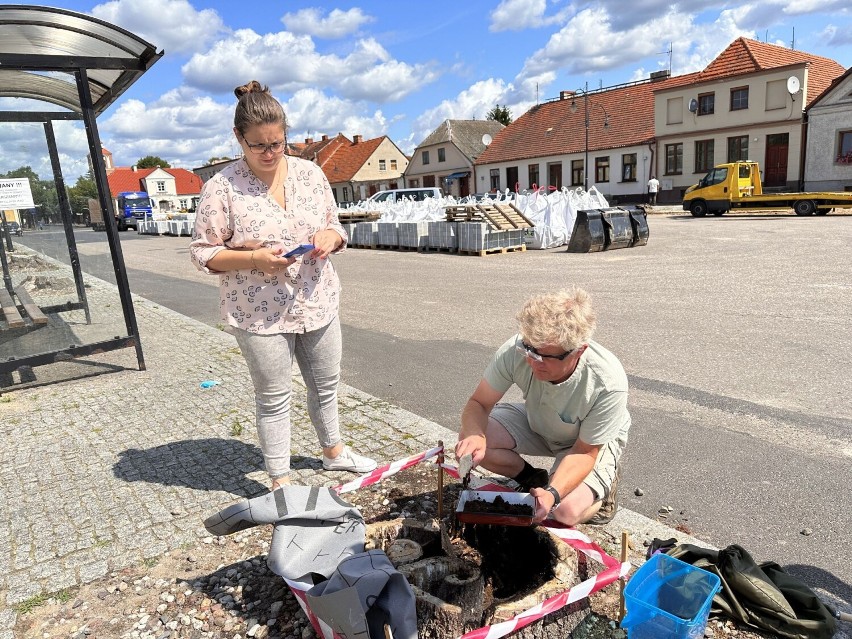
(133, 168)
(324, 138)
(309, 140)
(565, 95)
(656, 76)
(357, 139)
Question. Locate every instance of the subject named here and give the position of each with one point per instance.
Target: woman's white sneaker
(348, 460)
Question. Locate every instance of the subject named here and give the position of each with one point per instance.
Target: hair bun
(252, 87)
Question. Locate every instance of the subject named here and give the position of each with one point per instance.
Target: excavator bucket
(588, 234)
(608, 229)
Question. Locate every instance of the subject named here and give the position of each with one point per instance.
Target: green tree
(215, 159)
(152, 161)
(500, 114)
(79, 194)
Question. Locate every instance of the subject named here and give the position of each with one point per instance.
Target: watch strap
(555, 493)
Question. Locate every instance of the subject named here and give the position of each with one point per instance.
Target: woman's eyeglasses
(532, 353)
(260, 149)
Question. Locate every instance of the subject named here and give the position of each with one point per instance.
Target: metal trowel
(465, 466)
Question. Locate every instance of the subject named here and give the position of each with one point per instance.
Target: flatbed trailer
(737, 185)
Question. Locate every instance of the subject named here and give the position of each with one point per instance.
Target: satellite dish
(486, 139)
(693, 105)
(793, 85)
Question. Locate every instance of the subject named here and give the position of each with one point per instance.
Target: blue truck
(130, 208)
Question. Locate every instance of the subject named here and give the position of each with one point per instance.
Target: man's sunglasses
(532, 353)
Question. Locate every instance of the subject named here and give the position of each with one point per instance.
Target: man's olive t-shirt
(590, 405)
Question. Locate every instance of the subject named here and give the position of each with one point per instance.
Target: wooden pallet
(498, 216)
(440, 249)
(496, 251)
(358, 216)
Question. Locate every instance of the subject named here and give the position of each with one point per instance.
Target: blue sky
(397, 68)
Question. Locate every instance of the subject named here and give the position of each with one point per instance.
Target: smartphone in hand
(300, 250)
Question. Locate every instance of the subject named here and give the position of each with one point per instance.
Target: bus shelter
(68, 68)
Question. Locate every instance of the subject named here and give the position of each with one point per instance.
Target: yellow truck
(737, 185)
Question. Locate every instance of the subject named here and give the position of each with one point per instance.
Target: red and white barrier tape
(580, 542)
(386, 471)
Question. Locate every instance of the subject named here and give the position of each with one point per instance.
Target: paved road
(735, 332)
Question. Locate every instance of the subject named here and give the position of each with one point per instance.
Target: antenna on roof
(793, 43)
(669, 51)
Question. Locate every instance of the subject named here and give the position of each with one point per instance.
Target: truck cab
(132, 207)
(723, 185)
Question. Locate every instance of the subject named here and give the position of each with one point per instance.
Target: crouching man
(575, 411)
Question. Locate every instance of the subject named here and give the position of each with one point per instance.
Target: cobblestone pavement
(104, 472)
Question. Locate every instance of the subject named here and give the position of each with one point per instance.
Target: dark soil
(497, 507)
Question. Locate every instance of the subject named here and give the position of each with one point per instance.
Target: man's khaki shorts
(513, 417)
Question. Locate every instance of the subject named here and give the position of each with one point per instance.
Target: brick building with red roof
(357, 168)
(170, 190)
(674, 128)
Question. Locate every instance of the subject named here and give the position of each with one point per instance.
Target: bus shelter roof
(41, 49)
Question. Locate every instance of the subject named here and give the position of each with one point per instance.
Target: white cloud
(311, 113)
(514, 15)
(837, 36)
(337, 24)
(802, 7)
(172, 25)
(183, 128)
(24, 143)
(473, 103)
(367, 72)
(588, 43)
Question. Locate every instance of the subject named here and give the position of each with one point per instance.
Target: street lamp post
(585, 92)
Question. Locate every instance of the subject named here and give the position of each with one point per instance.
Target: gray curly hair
(564, 318)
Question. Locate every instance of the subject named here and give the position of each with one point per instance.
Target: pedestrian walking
(249, 217)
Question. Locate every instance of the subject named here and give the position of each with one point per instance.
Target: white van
(395, 195)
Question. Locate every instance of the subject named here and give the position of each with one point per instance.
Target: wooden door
(554, 175)
(775, 167)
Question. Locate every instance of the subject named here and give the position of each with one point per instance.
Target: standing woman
(249, 215)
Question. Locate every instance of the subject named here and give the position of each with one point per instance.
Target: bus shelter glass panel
(59, 286)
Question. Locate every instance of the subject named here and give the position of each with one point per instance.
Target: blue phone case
(300, 250)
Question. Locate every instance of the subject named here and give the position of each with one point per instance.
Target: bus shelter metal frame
(27, 75)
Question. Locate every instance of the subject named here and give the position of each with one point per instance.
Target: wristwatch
(555, 493)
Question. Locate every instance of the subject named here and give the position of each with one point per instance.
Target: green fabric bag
(761, 596)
